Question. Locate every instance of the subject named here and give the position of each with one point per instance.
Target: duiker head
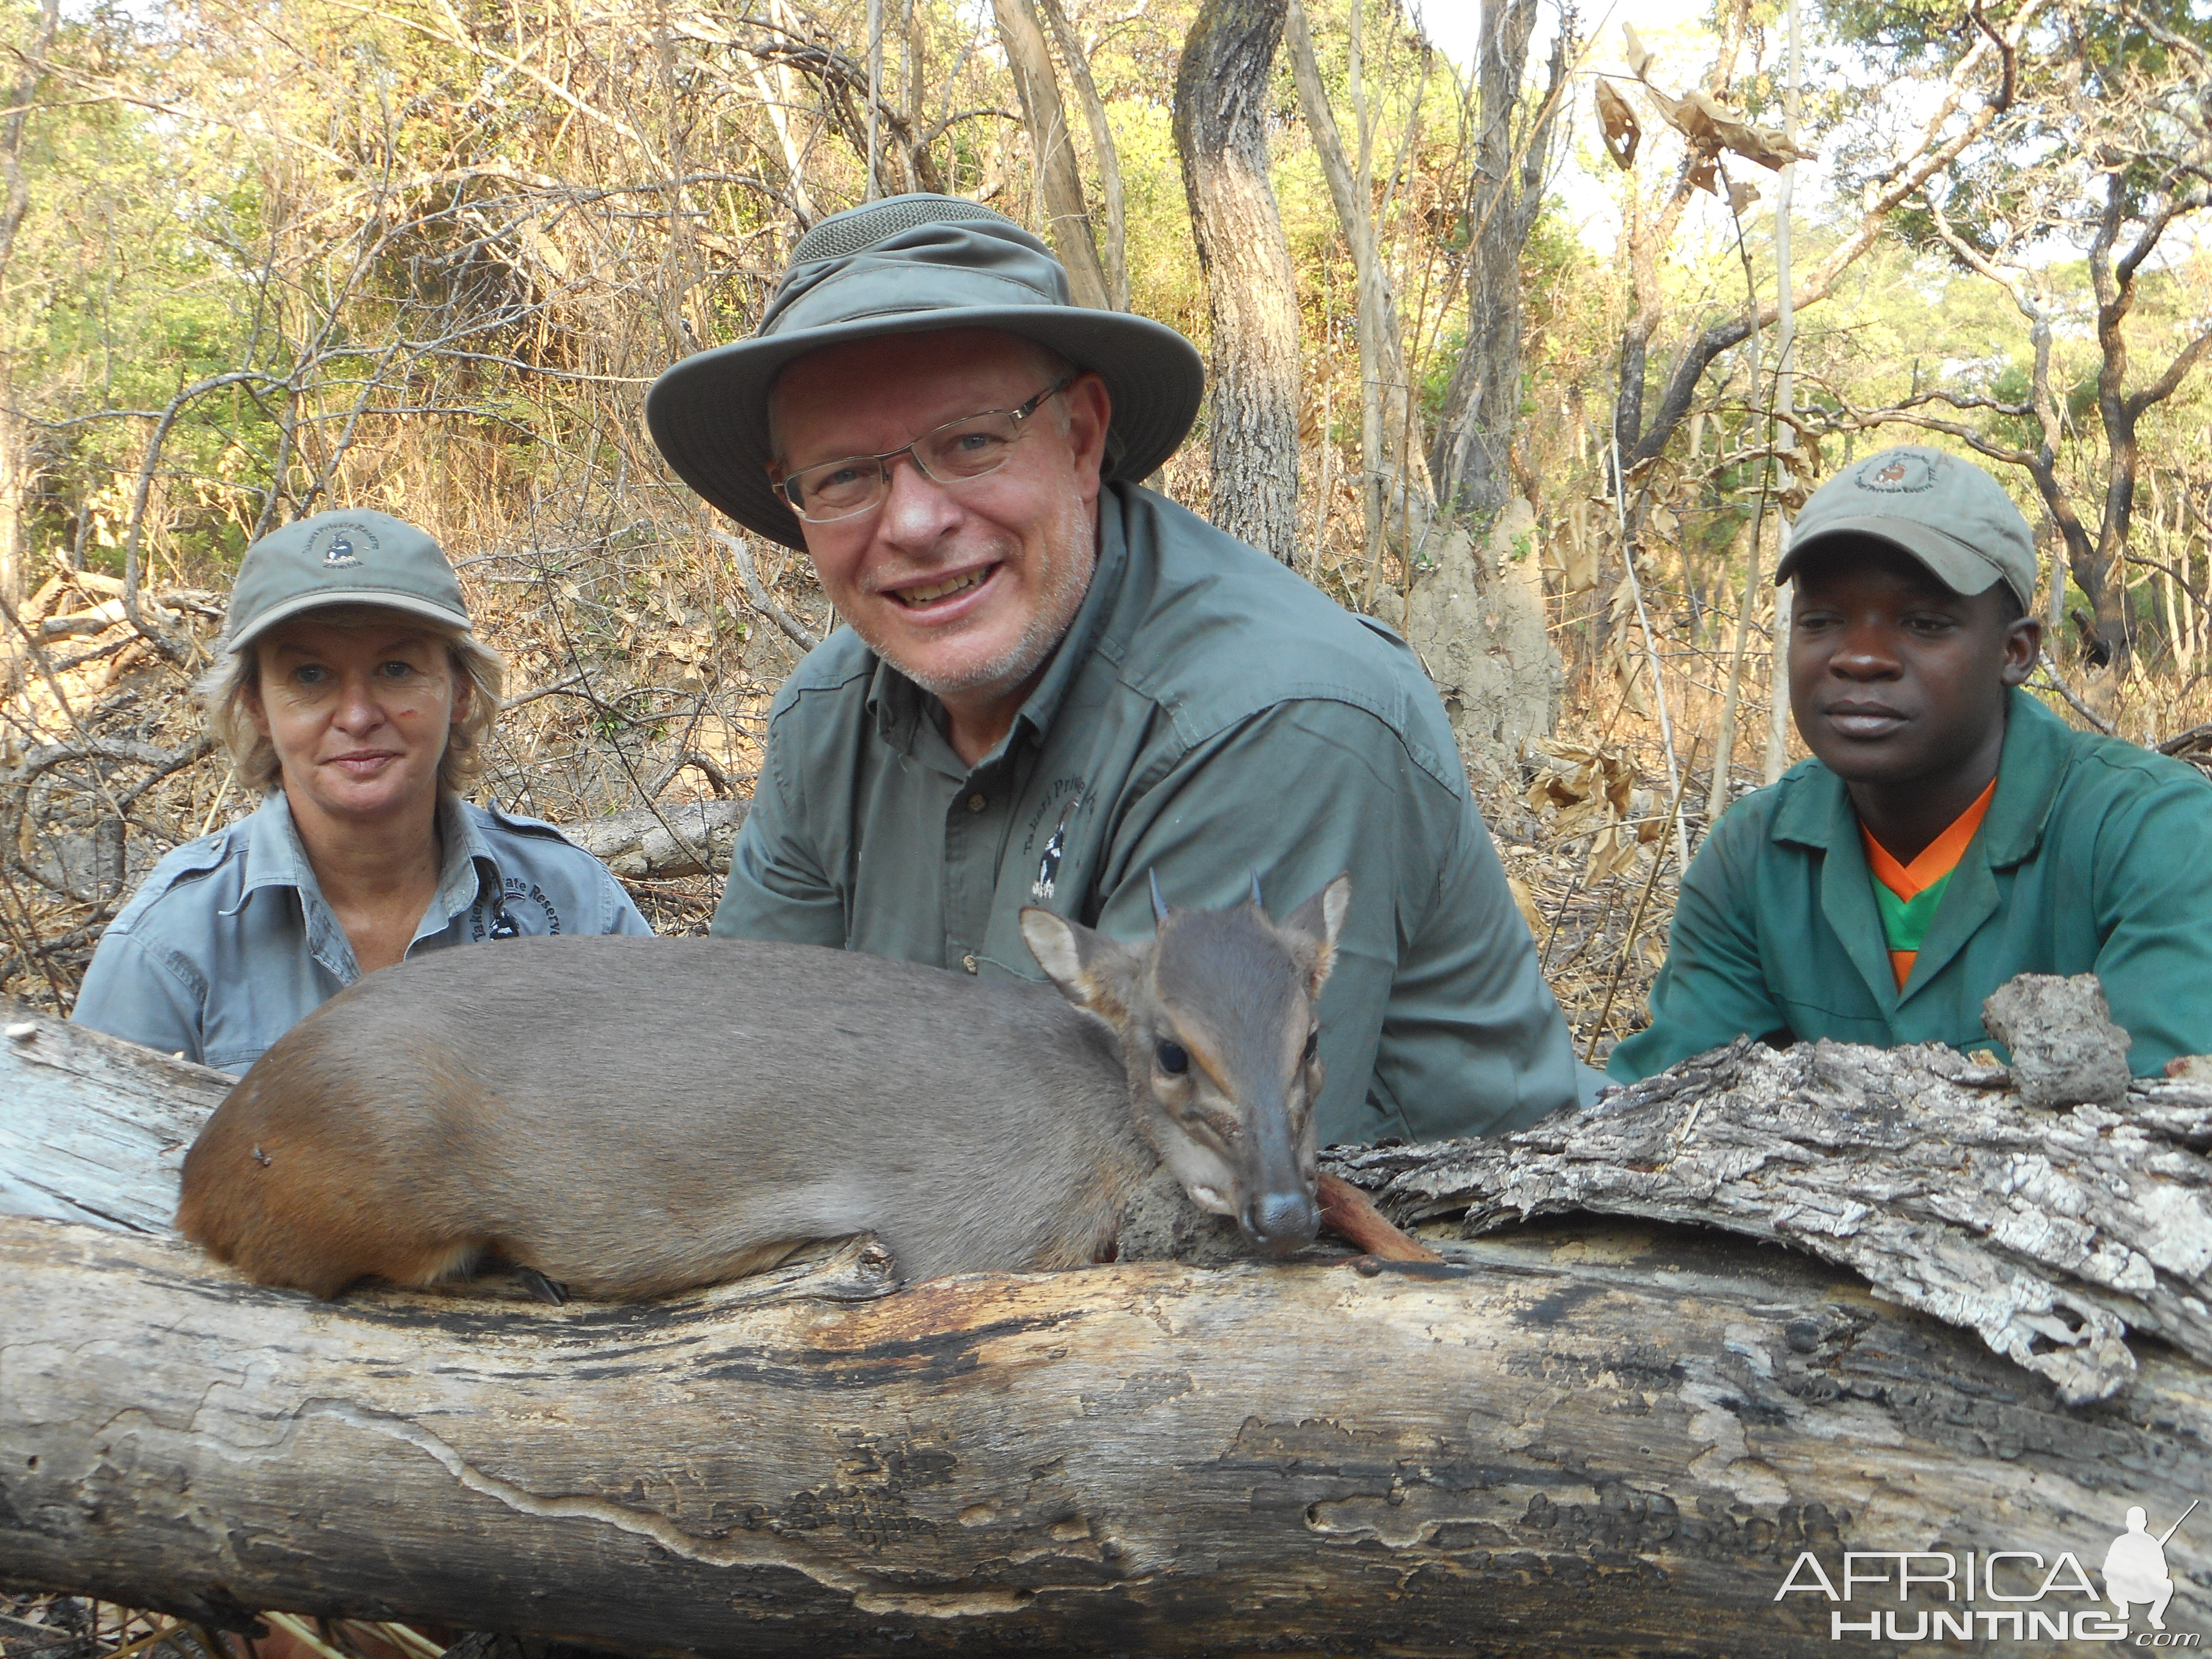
(1217, 1030)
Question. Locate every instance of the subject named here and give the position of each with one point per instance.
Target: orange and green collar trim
(1908, 895)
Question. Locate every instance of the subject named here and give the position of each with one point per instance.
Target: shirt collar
(1818, 810)
(276, 858)
(897, 703)
(471, 867)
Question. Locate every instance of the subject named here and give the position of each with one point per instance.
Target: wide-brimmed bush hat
(912, 265)
(348, 556)
(1941, 509)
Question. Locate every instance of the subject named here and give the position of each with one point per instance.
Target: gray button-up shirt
(1209, 715)
(229, 943)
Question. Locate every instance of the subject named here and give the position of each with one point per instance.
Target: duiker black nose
(1282, 1222)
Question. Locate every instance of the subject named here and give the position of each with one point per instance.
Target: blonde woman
(352, 691)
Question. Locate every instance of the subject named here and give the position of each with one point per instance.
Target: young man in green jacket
(1950, 832)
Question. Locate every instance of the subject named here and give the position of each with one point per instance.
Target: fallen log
(2051, 1234)
(1582, 1434)
(663, 842)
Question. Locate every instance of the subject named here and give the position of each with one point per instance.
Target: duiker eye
(1171, 1058)
(1313, 1046)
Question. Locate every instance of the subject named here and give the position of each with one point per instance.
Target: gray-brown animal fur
(633, 1116)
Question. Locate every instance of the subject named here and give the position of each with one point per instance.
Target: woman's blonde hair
(228, 690)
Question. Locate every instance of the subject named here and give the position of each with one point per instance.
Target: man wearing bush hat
(1950, 832)
(1054, 685)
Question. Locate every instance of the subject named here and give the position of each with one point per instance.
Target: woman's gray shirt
(229, 942)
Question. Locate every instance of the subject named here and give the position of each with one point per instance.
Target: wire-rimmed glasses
(968, 447)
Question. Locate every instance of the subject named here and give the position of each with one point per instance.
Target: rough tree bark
(1390, 427)
(15, 198)
(1577, 1436)
(1116, 258)
(1221, 88)
(1482, 401)
(663, 842)
(1031, 63)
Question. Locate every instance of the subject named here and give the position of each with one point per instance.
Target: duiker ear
(1310, 933)
(1091, 970)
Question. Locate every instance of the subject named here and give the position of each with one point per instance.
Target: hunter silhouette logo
(2135, 1567)
(2013, 1594)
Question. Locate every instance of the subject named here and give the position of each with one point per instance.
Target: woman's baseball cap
(912, 265)
(349, 556)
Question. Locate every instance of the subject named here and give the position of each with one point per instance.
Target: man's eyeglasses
(970, 447)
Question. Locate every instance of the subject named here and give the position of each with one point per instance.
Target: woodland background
(1504, 347)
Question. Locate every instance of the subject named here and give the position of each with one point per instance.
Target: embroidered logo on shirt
(496, 916)
(1056, 845)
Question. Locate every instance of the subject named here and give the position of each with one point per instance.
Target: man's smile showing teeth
(931, 592)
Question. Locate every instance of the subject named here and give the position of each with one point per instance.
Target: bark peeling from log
(1618, 1443)
(2049, 1235)
(1605, 1434)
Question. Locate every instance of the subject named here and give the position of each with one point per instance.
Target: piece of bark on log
(2048, 1234)
(1600, 1439)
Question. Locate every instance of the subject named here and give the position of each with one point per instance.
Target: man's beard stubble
(1069, 554)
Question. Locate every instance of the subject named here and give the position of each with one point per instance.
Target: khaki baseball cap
(349, 556)
(1944, 510)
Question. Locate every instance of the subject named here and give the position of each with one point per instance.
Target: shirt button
(969, 962)
(978, 803)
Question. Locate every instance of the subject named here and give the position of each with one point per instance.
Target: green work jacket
(1208, 716)
(2095, 857)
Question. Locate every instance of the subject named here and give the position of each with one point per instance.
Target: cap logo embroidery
(1901, 474)
(344, 544)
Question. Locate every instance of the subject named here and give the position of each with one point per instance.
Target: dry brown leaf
(1612, 850)
(1579, 572)
(1618, 125)
(1525, 902)
(1639, 55)
(1740, 196)
(1711, 127)
(1762, 144)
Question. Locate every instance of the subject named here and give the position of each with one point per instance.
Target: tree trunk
(1102, 147)
(15, 198)
(1574, 1437)
(1062, 184)
(1482, 402)
(1221, 88)
(1391, 437)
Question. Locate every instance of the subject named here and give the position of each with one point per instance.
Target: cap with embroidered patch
(1944, 511)
(348, 556)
